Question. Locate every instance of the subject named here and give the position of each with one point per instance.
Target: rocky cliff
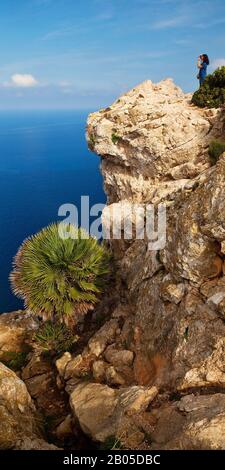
(154, 149)
(152, 373)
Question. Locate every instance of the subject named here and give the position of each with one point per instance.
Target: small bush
(60, 278)
(212, 93)
(14, 360)
(115, 138)
(92, 140)
(216, 149)
(54, 338)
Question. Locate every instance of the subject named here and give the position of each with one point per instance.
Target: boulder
(20, 425)
(103, 337)
(119, 357)
(15, 329)
(99, 369)
(193, 423)
(101, 410)
(62, 362)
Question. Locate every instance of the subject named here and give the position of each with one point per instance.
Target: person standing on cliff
(203, 62)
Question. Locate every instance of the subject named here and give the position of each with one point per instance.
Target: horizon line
(48, 109)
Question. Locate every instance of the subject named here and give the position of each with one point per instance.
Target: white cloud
(218, 63)
(58, 33)
(64, 84)
(169, 23)
(22, 81)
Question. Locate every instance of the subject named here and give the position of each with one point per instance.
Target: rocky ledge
(153, 375)
(154, 148)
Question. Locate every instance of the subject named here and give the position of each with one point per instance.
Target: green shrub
(60, 279)
(14, 360)
(216, 149)
(54, 337)
(92, 140)
(115, 138)
(212, 93)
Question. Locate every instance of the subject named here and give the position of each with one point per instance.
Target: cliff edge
(154, 148)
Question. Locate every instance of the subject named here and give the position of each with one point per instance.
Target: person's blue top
(203, 70)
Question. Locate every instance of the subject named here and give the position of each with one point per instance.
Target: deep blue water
(44, 162)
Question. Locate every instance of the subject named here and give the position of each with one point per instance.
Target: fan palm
(60, 279)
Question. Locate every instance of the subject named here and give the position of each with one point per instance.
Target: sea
(44, 163)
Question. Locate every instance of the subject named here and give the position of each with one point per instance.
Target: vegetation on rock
(54, 337)
(92, 141)
(115, 138)
(216, 148)
(60, 279)
(14, 360)
(212, 92)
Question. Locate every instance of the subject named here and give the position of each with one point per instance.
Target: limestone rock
(150, 133)
(210, 371)
(180, 320)
(101, 410)
(139, 264)
(62, 362)
(65, 428)
(136, 399)
(36, 366)
(172, 291)
(15, 328)
(73, 367)
(40, 379)
(99, 369)
(122, 311)
(154, 148)
(93, 405)
(193, 423)
(19, 421)
(113, 377)
(103, 337)
(194, 229)
(119, 357)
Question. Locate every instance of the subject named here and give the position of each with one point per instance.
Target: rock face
(19, 422)
(191, 423)
(14, 329)
(154, 149)
(147, 138)
(24, 403)
(39, 378)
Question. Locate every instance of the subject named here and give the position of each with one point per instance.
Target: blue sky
(84, 53)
